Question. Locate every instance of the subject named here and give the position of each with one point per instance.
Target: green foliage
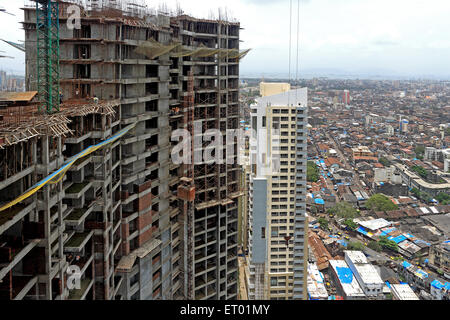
(380, 202)
(344, 210)
(312, 172)
(420, 151)
(421, 195)
(375, 246)
(421, 171)
(388, 244)
(323, 223)
(443, 198)
(350, 224)
(355, 245)
(385, 162)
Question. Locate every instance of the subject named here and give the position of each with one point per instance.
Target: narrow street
(345, 162)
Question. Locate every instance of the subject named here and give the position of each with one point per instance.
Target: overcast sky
(392, 37)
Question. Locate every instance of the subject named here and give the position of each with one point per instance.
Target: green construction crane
(47, 27)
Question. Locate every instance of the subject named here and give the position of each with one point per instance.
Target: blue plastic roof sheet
(406, 264)
(399, 239)
(345, 274)
(437, 284)
(319, 201)
(362, 230)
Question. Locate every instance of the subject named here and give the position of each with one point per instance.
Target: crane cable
(298, 42)
(290, 47)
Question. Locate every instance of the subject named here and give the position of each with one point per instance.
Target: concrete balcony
(12, 215)
(77, 190)
(80, 294)
(76, 140)
(78, 216)
(22, 285)
(78, 241)
(18, 256)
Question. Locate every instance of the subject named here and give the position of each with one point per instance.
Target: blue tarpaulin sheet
(399, 239)
(345, 274)
(319, 201)
(437, 284)
(342, 243)
(361, 230)
(388, 284)
(387, 231)
(406, 264)
(423, 273)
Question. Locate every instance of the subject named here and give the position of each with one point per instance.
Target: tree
(350, 224)
(415, 192)
(323, 223)
(375, 246)
(388, 244)
(385, 162)
(422, 195)
(380, 202)
(344, 210)
(312, 172)
(355, 245)
(421, 171)
(420, 151)
(443, 198)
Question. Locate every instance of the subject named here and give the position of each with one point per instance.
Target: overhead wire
(290, 47)
(298, 43)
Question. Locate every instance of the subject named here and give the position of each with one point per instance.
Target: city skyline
(338, 39)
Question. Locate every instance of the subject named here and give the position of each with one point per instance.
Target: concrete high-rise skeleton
(115, 212)
(277, 192)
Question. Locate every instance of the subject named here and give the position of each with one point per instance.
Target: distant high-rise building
(390, 130)
(403, 125)
(277, 205)
(346, 97)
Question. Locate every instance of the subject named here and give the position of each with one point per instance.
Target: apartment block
(277, 208)
(91, 190)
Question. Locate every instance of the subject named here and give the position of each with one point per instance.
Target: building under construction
(91, 205)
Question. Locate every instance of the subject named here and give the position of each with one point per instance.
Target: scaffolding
(186, 192)
(153, 49)
(20, 124)
(47, 27)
